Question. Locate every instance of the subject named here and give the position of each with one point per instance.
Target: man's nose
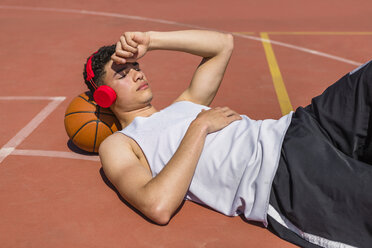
(137, 75)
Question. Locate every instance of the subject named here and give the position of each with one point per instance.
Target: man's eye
(123, 76)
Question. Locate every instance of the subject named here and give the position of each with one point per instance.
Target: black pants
(323, 185)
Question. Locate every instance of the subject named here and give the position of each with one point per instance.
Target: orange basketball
(88, 124)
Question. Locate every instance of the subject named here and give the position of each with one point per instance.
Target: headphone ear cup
(104, 96)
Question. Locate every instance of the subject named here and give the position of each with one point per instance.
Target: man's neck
(125, 118)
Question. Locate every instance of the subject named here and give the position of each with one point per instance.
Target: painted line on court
(140, 18)
(281, 91)
(54, 154)
(320, 33)
(99, 13)
(302, 49)
(22, 98)
(10, 146)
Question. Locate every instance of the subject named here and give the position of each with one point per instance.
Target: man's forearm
(198, 42)
(170, 186)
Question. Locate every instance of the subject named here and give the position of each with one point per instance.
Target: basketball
(88, 124)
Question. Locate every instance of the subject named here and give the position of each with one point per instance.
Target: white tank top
(237, 165)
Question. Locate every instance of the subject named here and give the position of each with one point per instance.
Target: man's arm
(159, 197)
(215, 48)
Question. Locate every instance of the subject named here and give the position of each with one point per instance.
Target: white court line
(140, 18)
(303, 49)
(51, 98)
(10, 146)
(54, 154)
(99, 13)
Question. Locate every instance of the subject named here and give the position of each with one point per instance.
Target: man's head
(127, 80)
(99, 60)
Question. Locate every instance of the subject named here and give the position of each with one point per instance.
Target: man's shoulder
(117, 152)
(114, 142)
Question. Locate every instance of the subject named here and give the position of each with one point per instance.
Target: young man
(320, 195)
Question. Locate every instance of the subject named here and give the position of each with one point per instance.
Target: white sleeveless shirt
(237, 165)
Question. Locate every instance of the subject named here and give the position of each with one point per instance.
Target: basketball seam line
(82, 127)
(87, 112)
(107, 126)
(95, 137)
(88, 101)
(99, 112)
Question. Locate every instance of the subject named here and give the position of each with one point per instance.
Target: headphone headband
(90, 73)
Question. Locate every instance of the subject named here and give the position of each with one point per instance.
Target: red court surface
(52, 196)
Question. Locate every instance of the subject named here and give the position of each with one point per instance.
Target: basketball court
(55, 195)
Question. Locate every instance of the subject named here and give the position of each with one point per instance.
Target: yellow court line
(281, 91)
(311, 33)
(321, 33)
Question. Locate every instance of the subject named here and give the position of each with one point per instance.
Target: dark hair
(99, 60)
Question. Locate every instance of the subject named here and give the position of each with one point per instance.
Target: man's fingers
(118, 60)
(233, 114)
(121, 55)
(218, 118)
(223, 109)
(124, 54)
(126, 46)
(129, 36)
(235, 117)
(227, 111)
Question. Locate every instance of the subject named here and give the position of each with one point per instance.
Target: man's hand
(215, 119)
(131, 47)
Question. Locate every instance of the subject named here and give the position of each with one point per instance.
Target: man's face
(129, 83)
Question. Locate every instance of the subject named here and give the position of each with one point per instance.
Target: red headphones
(103, 95)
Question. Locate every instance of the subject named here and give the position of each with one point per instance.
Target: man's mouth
(143, 86)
